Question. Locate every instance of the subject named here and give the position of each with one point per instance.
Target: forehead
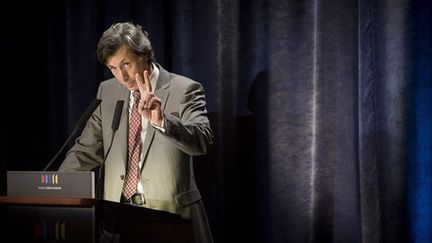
(121, 55)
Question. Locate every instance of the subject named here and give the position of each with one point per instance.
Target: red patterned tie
(134, 149)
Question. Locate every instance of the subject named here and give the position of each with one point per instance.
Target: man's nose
(124, 75)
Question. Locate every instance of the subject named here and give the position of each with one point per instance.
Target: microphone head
(117, 115)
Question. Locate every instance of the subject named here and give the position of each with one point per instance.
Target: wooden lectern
(48, 219)
(60, 207)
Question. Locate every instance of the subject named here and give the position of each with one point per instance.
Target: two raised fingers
(143, 86)
(145, 89)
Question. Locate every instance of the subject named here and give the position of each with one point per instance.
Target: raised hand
(150, 105)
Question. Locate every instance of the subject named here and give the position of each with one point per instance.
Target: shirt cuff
(162, 127)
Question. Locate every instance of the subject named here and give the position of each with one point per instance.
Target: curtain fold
(419, 160)
(369, 195)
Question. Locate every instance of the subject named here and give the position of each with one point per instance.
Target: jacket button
(122, 177)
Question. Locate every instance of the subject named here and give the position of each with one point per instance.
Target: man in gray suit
(174, 127)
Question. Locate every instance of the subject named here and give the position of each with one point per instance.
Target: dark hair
(125, 34)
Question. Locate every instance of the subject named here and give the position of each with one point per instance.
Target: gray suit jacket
(167, 172)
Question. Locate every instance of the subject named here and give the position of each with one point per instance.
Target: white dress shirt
(154, 76)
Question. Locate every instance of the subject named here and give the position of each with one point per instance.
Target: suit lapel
(162, 93)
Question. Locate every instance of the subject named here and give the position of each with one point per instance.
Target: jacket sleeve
(189, 128)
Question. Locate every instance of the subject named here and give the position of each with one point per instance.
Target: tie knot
(136, 95)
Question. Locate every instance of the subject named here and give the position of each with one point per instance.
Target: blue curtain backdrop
(322, 110)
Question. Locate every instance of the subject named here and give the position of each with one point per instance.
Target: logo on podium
(49, 182)
(47, 179)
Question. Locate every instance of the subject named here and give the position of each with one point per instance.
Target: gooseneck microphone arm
(80, 124)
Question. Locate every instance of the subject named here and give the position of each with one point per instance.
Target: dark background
(321, 109)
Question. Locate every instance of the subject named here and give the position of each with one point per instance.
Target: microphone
(114, 126)
(79, 125)
(117, 115)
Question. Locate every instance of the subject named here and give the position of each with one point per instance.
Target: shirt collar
(154, 76)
